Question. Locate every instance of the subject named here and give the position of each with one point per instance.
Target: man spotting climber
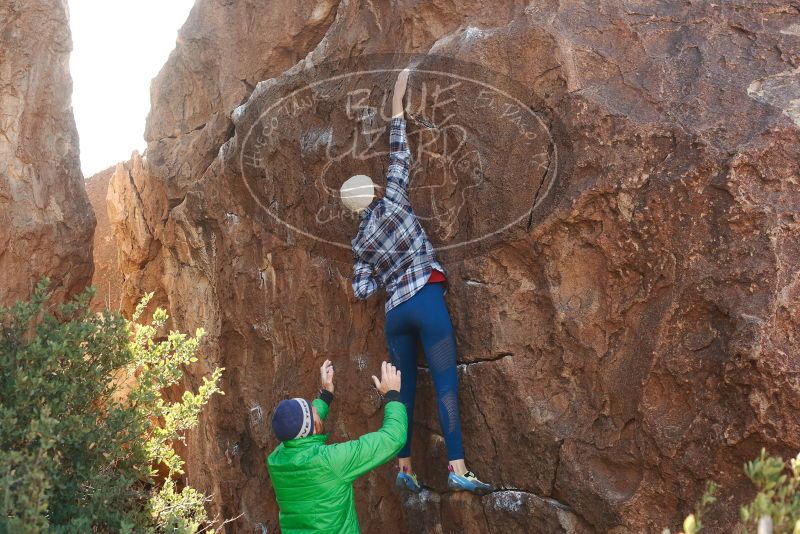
(313, 481)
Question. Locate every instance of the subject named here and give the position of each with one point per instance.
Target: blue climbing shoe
(468, 482)
(408, 482)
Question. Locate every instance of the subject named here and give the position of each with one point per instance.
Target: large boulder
(46, 222)
(613, 189)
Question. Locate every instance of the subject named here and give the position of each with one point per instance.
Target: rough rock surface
(107, 278)
(46, 222)
(631, 336)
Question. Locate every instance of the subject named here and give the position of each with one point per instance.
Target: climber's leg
(401, 339)
(439, 342)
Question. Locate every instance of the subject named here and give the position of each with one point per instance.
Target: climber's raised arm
(398, 94)
(399, 155)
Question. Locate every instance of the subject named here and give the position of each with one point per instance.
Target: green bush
(778, 496)
(694, 522)
(75, 455)
(777, 500)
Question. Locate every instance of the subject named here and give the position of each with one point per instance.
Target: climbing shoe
(408, 482)
(467, 482)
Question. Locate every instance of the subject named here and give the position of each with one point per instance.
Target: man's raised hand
(326, 375)
(390, 379)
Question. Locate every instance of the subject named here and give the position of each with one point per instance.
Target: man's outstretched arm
(323, 402)
(397, 177)
(354, 458)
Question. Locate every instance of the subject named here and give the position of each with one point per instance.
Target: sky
(118, 48)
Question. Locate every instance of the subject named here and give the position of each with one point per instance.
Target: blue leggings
(424, 317)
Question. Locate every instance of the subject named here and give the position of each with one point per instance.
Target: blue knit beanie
(292, 419)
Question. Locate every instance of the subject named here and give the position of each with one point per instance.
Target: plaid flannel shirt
(391, 249)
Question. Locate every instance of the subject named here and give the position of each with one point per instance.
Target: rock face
(613, 188)
(107, 278)
(46, 222)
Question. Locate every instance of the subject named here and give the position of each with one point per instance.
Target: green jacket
(313, 481)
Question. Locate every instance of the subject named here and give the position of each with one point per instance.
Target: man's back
(313, 482)
(310, 494)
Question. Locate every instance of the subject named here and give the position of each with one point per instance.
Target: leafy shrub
(75, 455)
(776, 506)
(778, 496)
(694, 522)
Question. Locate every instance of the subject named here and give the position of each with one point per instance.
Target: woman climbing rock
(392, 251)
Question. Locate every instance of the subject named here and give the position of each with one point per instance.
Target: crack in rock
(464, 365)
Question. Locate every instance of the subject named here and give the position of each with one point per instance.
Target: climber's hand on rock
(390, 379)
(399, 91)
(401, 83)
(326, 375)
